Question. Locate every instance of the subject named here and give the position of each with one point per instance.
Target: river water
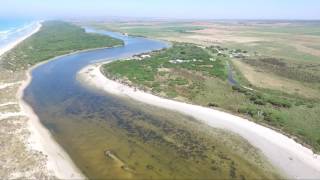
(55, 81)
(57, 97)
(110, 137)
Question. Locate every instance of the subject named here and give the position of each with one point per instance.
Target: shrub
(213, 105)
(172, 93)
(279, 102)
(248, 110)
(181, 81)
(272, 118)
(259, 102)
(310, 105)
(155, 84)
(299, 103)
(162, 73)
(156, 89)
(239, 89)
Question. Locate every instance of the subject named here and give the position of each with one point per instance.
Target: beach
(290, 157)
(19, 40)
(52, 160)
(58, 161)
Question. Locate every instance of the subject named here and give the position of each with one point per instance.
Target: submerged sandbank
(293, 159)
(58, 161)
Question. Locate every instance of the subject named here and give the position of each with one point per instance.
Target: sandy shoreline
(15, 43)
(58, 162)
(290, 157)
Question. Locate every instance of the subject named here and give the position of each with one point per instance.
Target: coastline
(58, 164)
(290, 157)
(10, 46)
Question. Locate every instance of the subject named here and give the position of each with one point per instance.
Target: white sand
(10, 114)
(290, 157)
(5, 85)
(8, 104)
(59, 163)
(13, 44)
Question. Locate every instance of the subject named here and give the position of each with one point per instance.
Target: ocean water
(11, 30)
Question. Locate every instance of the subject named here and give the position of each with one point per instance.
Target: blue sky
(187, 9)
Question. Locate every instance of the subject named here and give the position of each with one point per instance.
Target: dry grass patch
(305, 49)
(262, 79)
(223, 34)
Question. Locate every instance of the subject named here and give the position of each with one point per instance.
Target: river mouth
(113, 138)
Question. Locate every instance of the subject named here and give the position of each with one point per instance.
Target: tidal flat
(116, 138)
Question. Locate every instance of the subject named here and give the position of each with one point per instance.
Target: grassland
(264, 37)
(295, 78)
(294, 42)
(55, 38)
(154, 29)
(18, 161)
(198, 75)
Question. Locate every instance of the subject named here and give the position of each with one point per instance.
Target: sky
(174, 9)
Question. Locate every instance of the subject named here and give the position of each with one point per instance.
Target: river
(107, 136)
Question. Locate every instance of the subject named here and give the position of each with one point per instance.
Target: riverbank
(28, 150)
(295, 160)
(58, 161)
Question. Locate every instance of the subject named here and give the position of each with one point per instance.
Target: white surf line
(19, 40)
(293, 159)
(8, 104)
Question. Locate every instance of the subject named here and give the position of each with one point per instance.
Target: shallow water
(113, 138)
(13, 29)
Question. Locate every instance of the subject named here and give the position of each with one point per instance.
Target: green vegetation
(204, 83)
(165, 68)
(55, 38)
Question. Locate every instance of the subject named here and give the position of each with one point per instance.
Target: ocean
(11, 30)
